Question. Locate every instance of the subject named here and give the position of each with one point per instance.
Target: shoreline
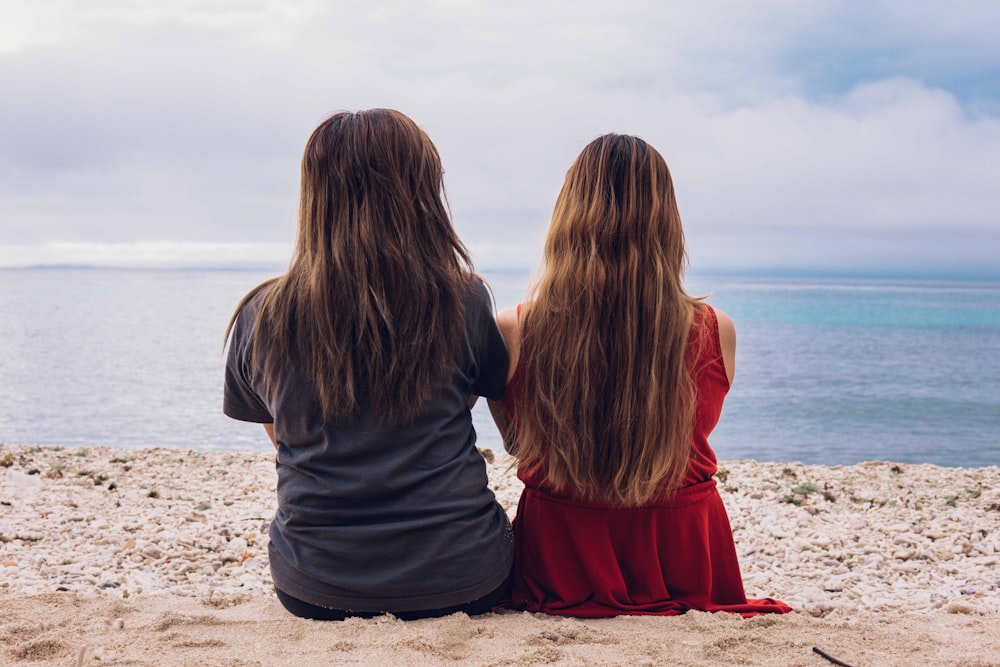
(880, 548)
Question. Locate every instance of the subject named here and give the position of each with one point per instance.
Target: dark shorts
(483, 605)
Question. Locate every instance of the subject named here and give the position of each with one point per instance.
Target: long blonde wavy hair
(371, 306)
(608, 403)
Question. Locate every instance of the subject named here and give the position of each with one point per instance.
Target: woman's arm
(727, 340)
(510, 329)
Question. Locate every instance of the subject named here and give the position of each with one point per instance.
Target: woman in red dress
(616, 379)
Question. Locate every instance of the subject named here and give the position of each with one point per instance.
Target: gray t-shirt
(376, 517)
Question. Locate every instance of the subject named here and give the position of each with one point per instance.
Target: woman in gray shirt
(362, 362)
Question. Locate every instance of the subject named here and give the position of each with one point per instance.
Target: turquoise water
(828, 371)
(836, 371)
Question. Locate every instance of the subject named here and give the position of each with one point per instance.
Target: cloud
(843, 44)
(891, 153)
(787, 125)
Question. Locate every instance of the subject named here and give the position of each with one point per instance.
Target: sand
(159, 557)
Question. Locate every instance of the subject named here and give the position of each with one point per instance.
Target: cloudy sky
(802, 135)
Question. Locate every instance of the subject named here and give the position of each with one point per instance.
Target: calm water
(828, 371)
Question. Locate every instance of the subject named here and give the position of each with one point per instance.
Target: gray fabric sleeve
(240, 400)
(489, 348)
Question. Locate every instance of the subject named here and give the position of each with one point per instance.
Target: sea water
(831, 371)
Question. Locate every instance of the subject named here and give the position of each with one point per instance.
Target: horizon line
(742, 272)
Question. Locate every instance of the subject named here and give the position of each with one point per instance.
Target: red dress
(578, 558)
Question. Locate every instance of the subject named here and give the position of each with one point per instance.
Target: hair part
(604, 334)
(371, 306)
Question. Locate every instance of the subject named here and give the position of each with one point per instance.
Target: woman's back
(377, 515)
(618, 379)
(579, 557)
(705, 360)
(362, 362)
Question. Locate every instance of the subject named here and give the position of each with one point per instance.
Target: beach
(159, 557)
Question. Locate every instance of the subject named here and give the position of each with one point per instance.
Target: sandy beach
(159, 557)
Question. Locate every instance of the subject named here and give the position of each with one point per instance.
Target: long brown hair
(609, 405)
(371, 306)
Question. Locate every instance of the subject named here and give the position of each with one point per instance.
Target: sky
(818, 137)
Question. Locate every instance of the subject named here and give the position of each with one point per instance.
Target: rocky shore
(841, 543)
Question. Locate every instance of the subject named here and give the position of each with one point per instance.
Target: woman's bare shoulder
(727, 341)
(510, 328)
(507, 322)
(725, 322)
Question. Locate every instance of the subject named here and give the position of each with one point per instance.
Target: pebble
(960, 608)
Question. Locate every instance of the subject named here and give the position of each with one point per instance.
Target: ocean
(829, 371)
